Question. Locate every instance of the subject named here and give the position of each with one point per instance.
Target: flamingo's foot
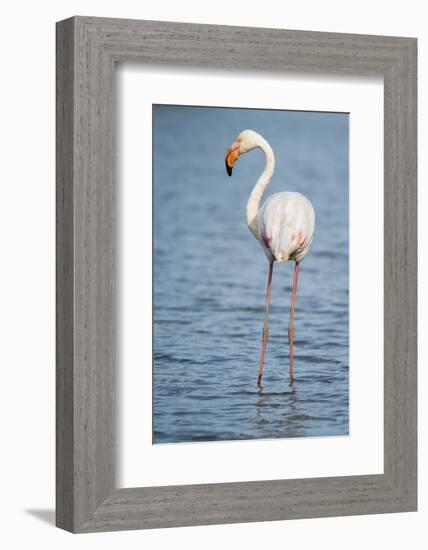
(259, 381)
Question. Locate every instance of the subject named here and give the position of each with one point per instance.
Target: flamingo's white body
(284, 225)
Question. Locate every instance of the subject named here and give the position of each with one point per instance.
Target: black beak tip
(228, 169)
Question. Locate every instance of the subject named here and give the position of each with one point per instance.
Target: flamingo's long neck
(253, 203)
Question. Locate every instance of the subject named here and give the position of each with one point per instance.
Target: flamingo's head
(246, 141)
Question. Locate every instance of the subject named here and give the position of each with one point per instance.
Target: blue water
(210, 280)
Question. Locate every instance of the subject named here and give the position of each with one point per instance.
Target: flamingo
(284, 226)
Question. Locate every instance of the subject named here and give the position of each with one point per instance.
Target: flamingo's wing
(286, 224)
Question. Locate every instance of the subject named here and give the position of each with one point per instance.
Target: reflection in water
(288, 403)
(210, 276)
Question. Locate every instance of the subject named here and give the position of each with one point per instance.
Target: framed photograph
(236, 274)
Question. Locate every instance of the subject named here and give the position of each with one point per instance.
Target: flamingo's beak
(230, 156)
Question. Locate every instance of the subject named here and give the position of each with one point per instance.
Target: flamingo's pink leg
(291, 323)
(265, 325)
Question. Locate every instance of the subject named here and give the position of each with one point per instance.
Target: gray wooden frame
(87, 50)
